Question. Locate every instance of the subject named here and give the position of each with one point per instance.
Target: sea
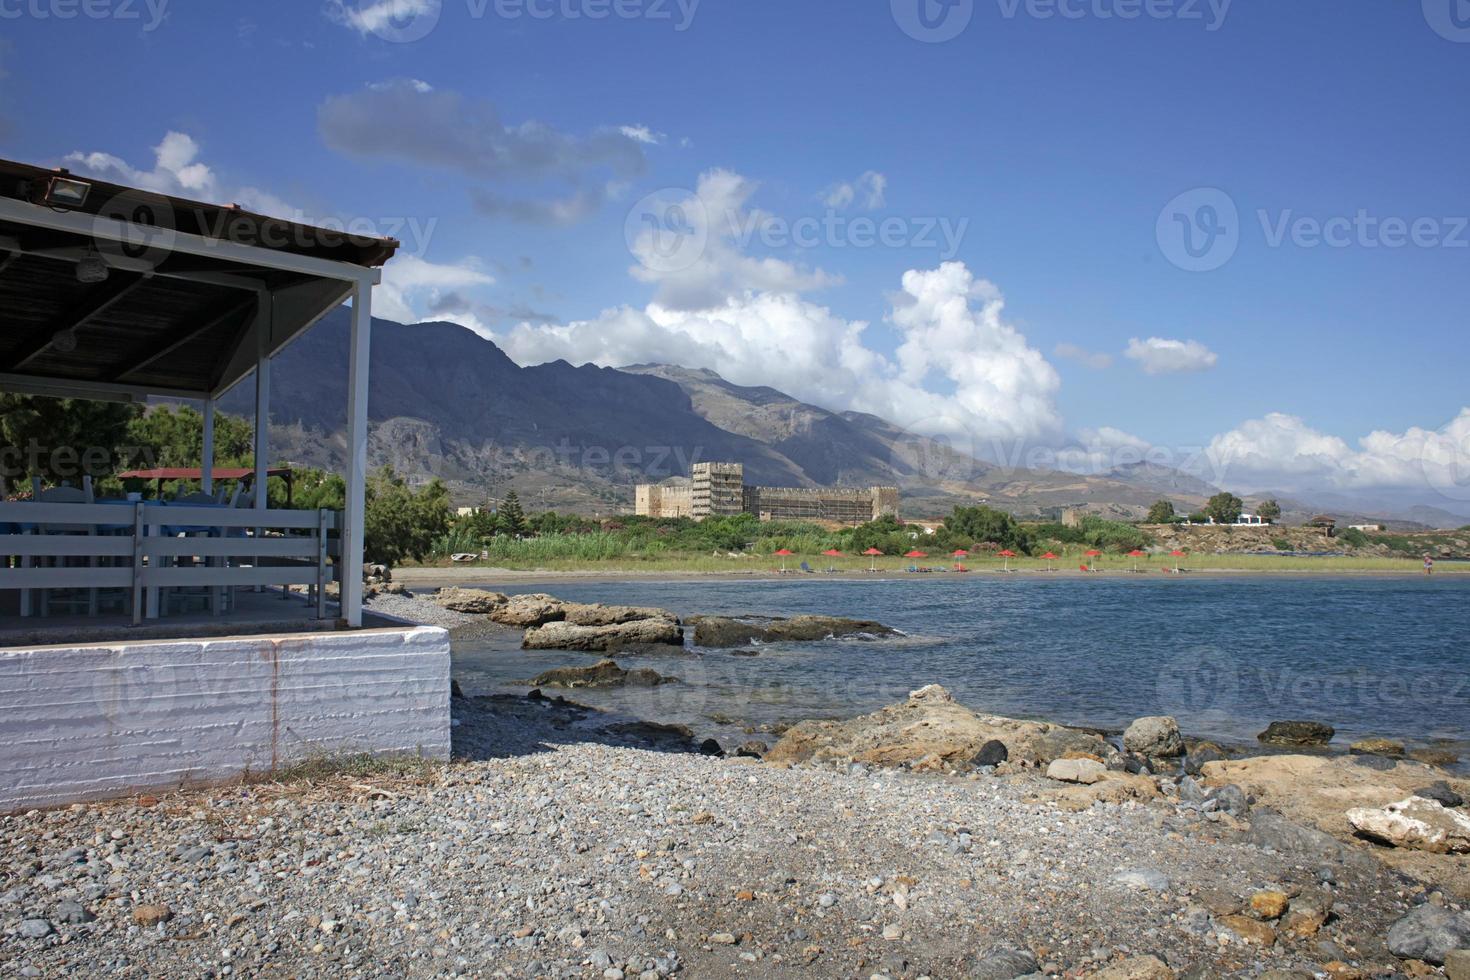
(1369, 655)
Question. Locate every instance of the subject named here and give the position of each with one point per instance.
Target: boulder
(475, 602)
(1297, 733)
(929, 723)
(1004, 963)
(1084, 771)
(1200, 754)
(1154, 738)
(1457, 964)
(725, 631)
(605, 673)
(602, 639)
(1440, 790)
(1136, 968)
(1434, 756)
(1377, 746)
(665, 738)
(1269, 903)
(536, 609)
(597, 614)
(992, 753)
(1429, 933)
(1417, 823)
(1249, 930)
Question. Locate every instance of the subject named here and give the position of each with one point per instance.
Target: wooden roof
(164, 318)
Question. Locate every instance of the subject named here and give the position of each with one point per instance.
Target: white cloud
(178, 171)
(1158, 355)
(714, 218)
(961, 370)
(871, 188)
(412, 284)
(1096, 360)
(1280, 451)
(642, 134)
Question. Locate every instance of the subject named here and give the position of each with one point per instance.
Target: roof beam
(7, 260)
(157, 350)
(93, 304)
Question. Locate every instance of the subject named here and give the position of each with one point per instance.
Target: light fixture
(92, 268)
(66, 192)
(65, 342)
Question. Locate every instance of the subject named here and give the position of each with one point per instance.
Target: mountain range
(445, 402)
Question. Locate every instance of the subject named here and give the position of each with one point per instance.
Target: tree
(1225, 508)
(1270, 511)
(400, 523)
(512, 518)
(167, 436)
(60, 438)
(1162, 512)
(986, 525)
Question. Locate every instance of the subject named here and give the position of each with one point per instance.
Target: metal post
(263, 320)
(206, 462)
(138, 533)
(350, 560)
(322, 519)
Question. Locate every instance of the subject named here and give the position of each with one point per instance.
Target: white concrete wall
(86, 722)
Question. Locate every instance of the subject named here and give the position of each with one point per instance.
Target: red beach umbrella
(873, 553)
(1176, 554)
(961, 553)
(1008, 554)
(784, 554)
(1049, 557)
(916, 553)
(832, 553)
(1135, 554)
(1094, 553)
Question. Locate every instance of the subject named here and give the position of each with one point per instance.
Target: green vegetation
(1269, 510)
(1354, 538)
(1096, 532)
(1162, 512)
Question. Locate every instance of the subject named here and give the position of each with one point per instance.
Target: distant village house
(719, 490)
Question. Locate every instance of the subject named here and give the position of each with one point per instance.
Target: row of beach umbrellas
(1006, 556)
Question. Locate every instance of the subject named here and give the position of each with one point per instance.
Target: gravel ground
(552, 847)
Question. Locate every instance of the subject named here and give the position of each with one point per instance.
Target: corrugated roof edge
(28, 182)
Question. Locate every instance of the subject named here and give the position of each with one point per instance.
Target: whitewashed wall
(86, 722)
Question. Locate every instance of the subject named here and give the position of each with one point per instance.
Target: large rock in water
(602, 639)
(932, 726)
(596, 614)
(535, 609)
(1417, 823)
(605, 673)
(1154, 738)
(725, 631)
(1297, 733)
(475, 602)
(1429, 933)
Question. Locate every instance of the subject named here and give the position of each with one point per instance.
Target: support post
(350, 560)
(206, 462)
(263, 317)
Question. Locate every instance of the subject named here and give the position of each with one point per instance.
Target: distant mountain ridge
(446, 402)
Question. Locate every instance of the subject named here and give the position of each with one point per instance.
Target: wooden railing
(144, 547)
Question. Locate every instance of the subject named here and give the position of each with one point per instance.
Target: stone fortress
(719, 490)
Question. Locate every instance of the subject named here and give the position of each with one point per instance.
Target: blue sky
(1055, 143)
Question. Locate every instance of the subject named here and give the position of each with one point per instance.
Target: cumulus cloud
(960, 371)
(178, 171)
(1280, 451)
(1096, 360)
(412, 284)
(1158, 355)
(868, 190)
(409, 121)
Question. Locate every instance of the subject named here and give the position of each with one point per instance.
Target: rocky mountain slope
(447, 403)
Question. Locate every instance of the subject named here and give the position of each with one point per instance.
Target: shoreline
(426, 577)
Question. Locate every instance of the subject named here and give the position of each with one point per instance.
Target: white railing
(144, 547)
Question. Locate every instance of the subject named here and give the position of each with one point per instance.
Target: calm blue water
(1371, 656)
